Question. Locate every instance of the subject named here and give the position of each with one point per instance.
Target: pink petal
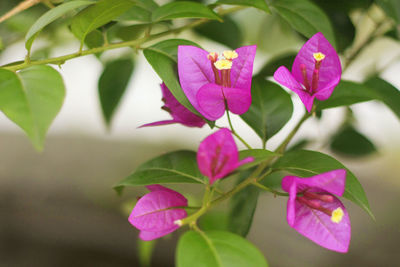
(178, 197)
(179, 113)
(330, 70)
(242, 67)
(194, 71)
(318, 227)
(285, 78)
(238, 100)
(147, 236)
(211, 101)
(218, 155)
(152, 212)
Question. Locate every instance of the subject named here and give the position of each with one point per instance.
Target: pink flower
(212, 83)
(155, 212)
(315, 73)
(315, 213)
(180, 114)
(218, 155)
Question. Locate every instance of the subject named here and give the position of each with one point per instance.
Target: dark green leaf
(242, 208)
(345, 94)
(273, 64)
(95, 39)
(305, 17)
(217, 249)
(175, 10)
(226, 32)
(259, 155)
(173, 167)
(260, 4)
(391, 8)
(162, 57)
(127, 33)
(306, 163)
(98, 15)
(112, 85)
(214, 220)
(270, 110)
(386, 93)
(32, 99)
(348, 141)
(51, 16)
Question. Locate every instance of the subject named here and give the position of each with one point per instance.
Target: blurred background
(58, 208)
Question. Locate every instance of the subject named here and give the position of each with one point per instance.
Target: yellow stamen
(223, 64)
(337, 215)
(318, 56)
(230, 54)
(213, 56)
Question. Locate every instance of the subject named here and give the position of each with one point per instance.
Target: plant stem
(133, 43)
(263, 187)
(19, 8)
(281, 148)
(235, 133)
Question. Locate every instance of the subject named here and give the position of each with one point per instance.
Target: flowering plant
(202, 88)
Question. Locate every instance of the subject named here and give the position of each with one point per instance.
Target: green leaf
(145, 249)
(136, 13)
(260, 4)
(185, 9)
(217, 249)
(345, 94)
(306, 163)
(98, 15)
(51, 16)
(305, 17)
(214, 220)
(273, 64)
(162, 57)
(95, 39)
(242, 207)
(112, 85)
(131, 32)
(32, 99)
(348, 141)
(270, 110)
(386, 93)
(391, 8)
(226, 32)
(173, 167)
(259, 155)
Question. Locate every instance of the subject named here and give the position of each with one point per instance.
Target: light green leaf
(217, 249)
(242, 207)
(162, 57)
(32, 99)
(173, 167)
(270, 110)
(98, 15)
(51, 16)
(184, 9)
(306, 163)
(259, 155)
(112, 85)
(260, 4)
(305, 17)
(349, 142)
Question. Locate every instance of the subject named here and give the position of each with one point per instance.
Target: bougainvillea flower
(180, 114)
(218, 155)
(215, 83)
(155, 212)
(315, 72)
(315, 212)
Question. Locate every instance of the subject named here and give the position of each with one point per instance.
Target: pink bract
(218, 155)
(180, 114)
(155, 212)
(198, 81)
(308, 78)
(310, 199)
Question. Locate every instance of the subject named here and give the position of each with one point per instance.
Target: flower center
(313, 201)
(312, 88)
(222, 66)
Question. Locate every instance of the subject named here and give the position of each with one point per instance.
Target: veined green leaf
(259, 156)
(260, 4)
(184, 9)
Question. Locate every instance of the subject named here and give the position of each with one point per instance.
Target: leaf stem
(263, 187)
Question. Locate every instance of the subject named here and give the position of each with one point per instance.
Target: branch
(19, 8)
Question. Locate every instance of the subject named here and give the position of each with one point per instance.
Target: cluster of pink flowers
(217, 83)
